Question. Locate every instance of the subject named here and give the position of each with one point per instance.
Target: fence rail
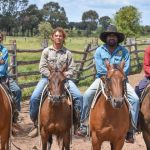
(85, 66)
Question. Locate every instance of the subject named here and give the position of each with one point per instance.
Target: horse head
(56, 88)
(115, 84)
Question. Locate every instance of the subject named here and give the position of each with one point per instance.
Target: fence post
(137, 57)
(44, 43)
(13, 61)
(83, 58)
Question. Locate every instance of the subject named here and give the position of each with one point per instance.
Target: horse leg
(146, 137)
(96, 142)
(60, 142)
(49, 142)
(66, 141)
(5, 140)
(44, 138)
(117, 145)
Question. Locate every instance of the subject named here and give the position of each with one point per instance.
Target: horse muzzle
(55, 99)
(117, 102)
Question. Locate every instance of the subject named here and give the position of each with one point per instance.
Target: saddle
(144, 92)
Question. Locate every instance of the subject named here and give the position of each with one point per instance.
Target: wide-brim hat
(112, 30)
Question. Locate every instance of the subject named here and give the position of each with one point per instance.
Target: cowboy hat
(112, 30)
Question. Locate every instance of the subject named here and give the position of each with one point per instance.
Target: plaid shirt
(56, 58)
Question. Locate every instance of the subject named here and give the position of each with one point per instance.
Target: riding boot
(34, 131)
(76, 119)
(130, 137)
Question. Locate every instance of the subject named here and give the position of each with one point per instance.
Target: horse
(109, 117)
(5, 119)
(55, 112)
(144, 116)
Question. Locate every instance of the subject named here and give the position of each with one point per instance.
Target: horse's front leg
(117, 145)
(146, 137)
(96, 143)
(66, 141)
(44, 138)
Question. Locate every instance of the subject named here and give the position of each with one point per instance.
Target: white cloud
(75, 8)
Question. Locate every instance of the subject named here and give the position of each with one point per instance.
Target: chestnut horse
(5, 119)
(55, 113)
(109, 118)
(144, 116)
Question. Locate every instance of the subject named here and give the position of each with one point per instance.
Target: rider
(12, 85)
(146, 65)
(114, 53)
(54, 55)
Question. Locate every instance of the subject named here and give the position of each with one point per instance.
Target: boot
(76, 120)
(130, 137)
(15, 116)
(34, 131)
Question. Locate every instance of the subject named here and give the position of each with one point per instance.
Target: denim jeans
(141, 86)
(90, 93)
(16, 91)
(36, 97)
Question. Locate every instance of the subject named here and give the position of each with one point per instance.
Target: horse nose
(56, 98)
(118, 102)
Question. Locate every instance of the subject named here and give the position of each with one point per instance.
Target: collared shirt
(3, 56)
(58, 58)
(102, 53)
(147, 62)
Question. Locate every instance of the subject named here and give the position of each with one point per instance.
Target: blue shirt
(4, 56)
(102, 53)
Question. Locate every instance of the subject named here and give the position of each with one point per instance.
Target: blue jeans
(36, 97)
(141, 86)
(16, 91)
(90, 93)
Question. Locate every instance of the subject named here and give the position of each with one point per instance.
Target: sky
(75, 8)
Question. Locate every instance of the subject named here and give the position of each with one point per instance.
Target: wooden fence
(85, 65)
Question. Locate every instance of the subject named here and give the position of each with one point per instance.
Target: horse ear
(122, 64)
(51, 68)
(107, 64)
(64, 67)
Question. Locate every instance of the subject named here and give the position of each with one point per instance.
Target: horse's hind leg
(117, 145)
(146, 137)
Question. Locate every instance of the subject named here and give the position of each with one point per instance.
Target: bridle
(57, 98)
(106, 90)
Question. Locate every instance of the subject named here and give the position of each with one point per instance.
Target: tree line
(20, 19)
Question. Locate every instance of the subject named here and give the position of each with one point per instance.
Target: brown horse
(5, 119)
(55, 113)
(109, 118)
(144, 117)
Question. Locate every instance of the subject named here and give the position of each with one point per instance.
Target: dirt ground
(23, 142)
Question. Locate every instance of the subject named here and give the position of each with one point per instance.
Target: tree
(104, 22)
(127, 20)
(55, 14)
(9, 10)
(90, 18)
(45, 29)
(30, 18)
